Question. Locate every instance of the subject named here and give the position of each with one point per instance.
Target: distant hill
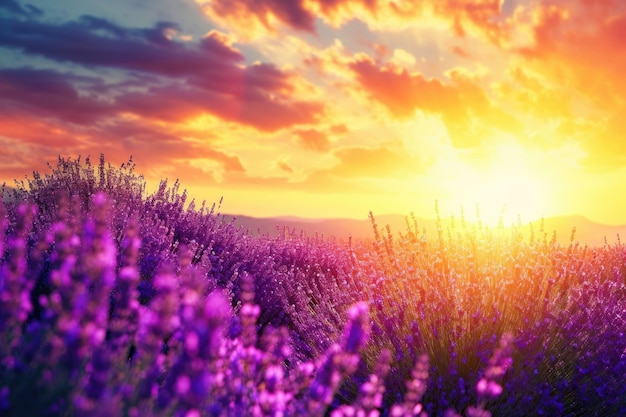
(587, 232)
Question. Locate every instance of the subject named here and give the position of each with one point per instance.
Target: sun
(511, 186)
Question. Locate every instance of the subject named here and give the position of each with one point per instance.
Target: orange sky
(329, 108)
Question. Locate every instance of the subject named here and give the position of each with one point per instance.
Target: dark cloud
(47, 93)
(252, 81)
(174, 80)
(50, 94)
(159, 34)
(94, 41)
(157, 78)
(14, 7)
(97, 24)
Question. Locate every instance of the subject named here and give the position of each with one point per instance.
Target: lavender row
(118, 303)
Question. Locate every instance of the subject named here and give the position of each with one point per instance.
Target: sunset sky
(329, 108)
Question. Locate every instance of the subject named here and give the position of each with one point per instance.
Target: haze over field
(587, 232)
(329, 109)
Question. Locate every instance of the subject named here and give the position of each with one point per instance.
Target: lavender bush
(114, 302)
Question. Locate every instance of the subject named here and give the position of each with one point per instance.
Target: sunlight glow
(510, 187)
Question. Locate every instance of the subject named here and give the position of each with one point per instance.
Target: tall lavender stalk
(157, 322)
(124, 298)
(416, 387)
(488, 387)
(15, 285)
(340, 361)
(98, 270)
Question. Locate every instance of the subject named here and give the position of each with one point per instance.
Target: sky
(329, 108)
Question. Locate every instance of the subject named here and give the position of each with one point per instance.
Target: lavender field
(117, 302)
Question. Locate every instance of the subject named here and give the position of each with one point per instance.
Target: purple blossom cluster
(454, 294)
(117, 303)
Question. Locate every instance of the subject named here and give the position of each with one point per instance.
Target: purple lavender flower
(340, 361)
(5, 401)
(488, 387)
(98, 269)
(157, 322)
(15, 285)
(415, 390)
(198, 374)
(4, 223)
(357, 333)
(95, 385)
(124, 298)
(371, 392)
(451, 413)
(191, 357)
(325, 383)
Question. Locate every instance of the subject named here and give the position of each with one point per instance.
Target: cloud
(461, 52)
(400, 91)
(48, 93)
(375, 163)
(485, 15)
(577, 41)
(313, 139)
(252, 18)
(93, 41)
(570, 67)
(284, 167)
(606, 151)
(339, 129)
(358, 169)
(463, 105)
(264, 112)
(159, 145)
(296, 14)
(28, 142)
(535, 95)
(173, 80)
(35, 131)
(379, 162)
(354, 170)
(14, 7)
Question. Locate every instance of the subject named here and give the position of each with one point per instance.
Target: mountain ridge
(588, 232)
